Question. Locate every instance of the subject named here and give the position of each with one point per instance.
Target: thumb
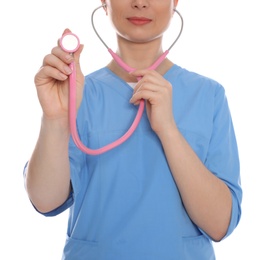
(77, 58)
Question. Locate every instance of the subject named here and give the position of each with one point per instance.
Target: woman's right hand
(52, 82)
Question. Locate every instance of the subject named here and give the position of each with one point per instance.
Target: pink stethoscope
(70, 43)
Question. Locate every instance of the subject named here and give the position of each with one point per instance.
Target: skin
(48, 172)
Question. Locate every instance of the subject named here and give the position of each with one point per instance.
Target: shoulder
(101, 82)
(101, 75)
(193, 81)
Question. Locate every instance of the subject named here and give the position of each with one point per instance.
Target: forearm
(206, 198)
(48, 172)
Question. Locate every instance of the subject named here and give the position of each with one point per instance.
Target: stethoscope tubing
(73, 128)
(121, 63)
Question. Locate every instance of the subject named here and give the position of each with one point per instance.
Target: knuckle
(169, 86)
(55, 49)
(46, 59)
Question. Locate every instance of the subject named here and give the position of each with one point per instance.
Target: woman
(169, 190)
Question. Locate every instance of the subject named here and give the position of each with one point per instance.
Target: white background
(225, 40)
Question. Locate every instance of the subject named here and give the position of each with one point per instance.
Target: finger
(145, 72)
(64, 32)
(77, 57)
(144, 94)
(46, 73)
(62, 55)
(139, 72)
(150, 82)
(57, 64)
(146, 86)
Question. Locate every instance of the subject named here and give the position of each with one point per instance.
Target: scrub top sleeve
(76, 158)
(77, 163)
(222, 158)
(68, 203)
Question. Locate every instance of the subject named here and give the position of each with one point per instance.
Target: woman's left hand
(157, 93)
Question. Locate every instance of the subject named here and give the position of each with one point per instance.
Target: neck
(138, 56)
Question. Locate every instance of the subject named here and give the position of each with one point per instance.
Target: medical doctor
(167, 192)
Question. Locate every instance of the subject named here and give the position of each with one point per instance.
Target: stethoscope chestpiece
(69, 42)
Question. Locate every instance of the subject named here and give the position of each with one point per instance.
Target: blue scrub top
(125, 204)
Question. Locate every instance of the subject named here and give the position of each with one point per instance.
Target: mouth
(139, 20)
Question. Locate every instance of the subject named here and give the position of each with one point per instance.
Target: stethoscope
(69, 42)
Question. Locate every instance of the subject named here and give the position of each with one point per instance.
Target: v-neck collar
(125, 87)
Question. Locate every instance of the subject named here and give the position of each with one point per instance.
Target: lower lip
(139, 22)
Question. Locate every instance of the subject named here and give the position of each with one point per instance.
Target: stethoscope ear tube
(107, 47)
